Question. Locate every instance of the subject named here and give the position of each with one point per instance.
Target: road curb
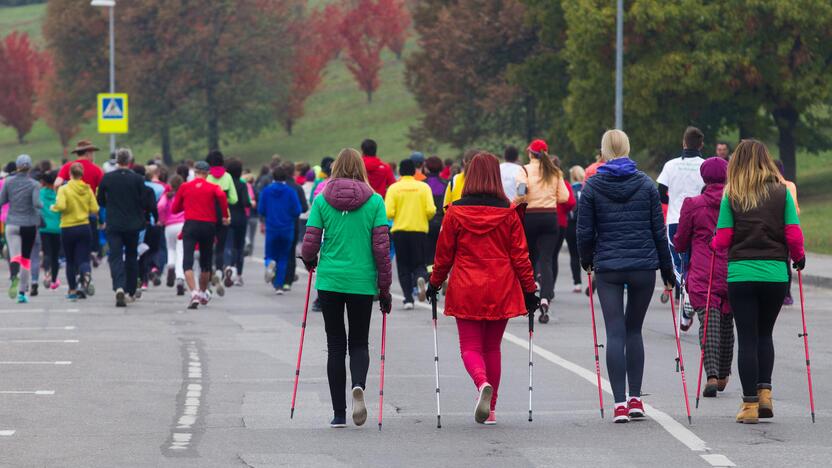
(818, 281)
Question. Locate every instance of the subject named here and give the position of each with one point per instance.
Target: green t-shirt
(347, 264)
(770, 271)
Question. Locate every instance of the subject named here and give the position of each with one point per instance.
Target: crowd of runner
(486, 232)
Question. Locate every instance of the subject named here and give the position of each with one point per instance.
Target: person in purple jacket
(697, 224)
(434, 166)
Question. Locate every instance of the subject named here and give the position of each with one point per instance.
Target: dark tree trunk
(167, 157)
(786, 119)
(369, 97)
(213, 120)
(290, 123)
(20, 136)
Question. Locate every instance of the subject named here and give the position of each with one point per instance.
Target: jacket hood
(712, 195)
(714, 170)
(78, 187)
(347, 194)
(482, 219)
(217, 172)
(372, 163)
(618, 179)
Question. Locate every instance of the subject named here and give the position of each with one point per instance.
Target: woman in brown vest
(759, 227)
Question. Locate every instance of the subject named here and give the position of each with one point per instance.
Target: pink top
(166, 217)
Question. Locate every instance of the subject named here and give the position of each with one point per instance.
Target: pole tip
(292, 414)
(813, 418)
(690, 421)
(602, 413)
(697, 402)
(379, 427)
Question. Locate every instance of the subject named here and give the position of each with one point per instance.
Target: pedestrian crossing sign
(112, 113)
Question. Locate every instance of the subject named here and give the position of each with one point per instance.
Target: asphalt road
(85, 384)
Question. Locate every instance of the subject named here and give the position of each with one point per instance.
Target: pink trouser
(479, 344)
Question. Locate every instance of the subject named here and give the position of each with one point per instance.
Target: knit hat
(714, 170)
(202, 166)
(538, 146)
(24, 162)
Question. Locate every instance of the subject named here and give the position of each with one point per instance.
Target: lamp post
(111, 4)
(619, 66)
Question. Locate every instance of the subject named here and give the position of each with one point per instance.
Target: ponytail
(549, 173)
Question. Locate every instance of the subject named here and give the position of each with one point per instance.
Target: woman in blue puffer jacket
(622, 239)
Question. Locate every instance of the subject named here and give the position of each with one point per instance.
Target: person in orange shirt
(592, 169)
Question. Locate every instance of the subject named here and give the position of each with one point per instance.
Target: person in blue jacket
(280, 206)
(622, 240)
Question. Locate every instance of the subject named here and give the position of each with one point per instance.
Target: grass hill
(338, 116)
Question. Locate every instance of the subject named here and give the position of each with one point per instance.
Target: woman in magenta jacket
(482, 238)
(697, 225)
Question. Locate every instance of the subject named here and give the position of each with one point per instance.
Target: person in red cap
(540, 185)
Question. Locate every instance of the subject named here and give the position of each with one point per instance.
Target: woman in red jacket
(482, 238)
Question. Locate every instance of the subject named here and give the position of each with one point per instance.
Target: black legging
(359, 310)
(572, 244)
(52, 253)
(153, 238)
(558, 246)
(221, 234)
(625, 347)
(541, 235)
(236, 244)
(755, 306)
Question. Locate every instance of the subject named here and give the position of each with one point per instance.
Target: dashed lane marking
(718, 460)
(7, 433)
(35, 311)
(38, 341)
(28, 392)
(68, 327)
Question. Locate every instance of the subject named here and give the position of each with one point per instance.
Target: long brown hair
(175, 182)
(751, 171)
(549, 173)
(349, 165)
(482, 177)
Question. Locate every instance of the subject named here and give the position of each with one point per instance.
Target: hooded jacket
(21, 193)
(51, 219)
(620, 222)
(223, 179)
(280, 205)
(379, 174)
(356, 255)
(486, 246)
(76, 203)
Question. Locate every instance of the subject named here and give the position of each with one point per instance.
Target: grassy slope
(338, 116)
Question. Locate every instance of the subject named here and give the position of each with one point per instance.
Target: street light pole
(111, 4)
(619, 66)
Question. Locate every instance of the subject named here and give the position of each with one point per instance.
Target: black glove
(800, 264)
(310, 265)
(385, 300)
(433, 293)
(586, 265)
(668, 278)
(532, 301)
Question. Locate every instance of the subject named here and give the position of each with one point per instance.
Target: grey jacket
(22, 193)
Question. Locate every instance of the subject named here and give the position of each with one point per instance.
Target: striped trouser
(719, 346)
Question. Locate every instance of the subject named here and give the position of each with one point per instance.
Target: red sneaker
(622, 414)
(635, 407)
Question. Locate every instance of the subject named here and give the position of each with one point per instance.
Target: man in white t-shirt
(509, 171)
(680, 179)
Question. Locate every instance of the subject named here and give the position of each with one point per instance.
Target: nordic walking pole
(681, 359)
(595, 344)
(381, 372)
(300, 348)
(434, 306)
(805, 336)
(705, 331)
(682, 297)
(531, 360)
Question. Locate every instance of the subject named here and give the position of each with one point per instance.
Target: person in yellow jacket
(410, 205)
(76, 203)
(457, 183)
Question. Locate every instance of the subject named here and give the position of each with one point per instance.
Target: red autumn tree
(395, 22)
(313, 49)
(362, 30)
(21, 68)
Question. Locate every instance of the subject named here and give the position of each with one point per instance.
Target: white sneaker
(271, 272)
(577, 289)
(421, 285)
(216, 282)
(278, 291)
(483, 407)
(359, 408)
(408, 306)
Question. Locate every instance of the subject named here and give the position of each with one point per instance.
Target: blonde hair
(349, 165)
(751, 171)
(577, 174)
(614, 144)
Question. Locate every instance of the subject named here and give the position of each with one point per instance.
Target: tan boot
(722, 383)
(766, 405)
(710, 388)
(749, 412)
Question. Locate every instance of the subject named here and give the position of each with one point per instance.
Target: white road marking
(27, 392)
(35, 363)
(35, 311)
(718, 460)
(38, 341)
(673, 427)
(7, 433)
(68, 327)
